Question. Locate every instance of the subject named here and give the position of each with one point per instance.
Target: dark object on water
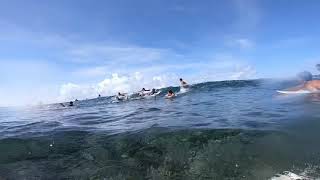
(99, 95)
(76, 100)
(70, 103)
(62, 105)
(153, 91)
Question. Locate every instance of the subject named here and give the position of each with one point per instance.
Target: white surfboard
(152, 95)
(121, 98)
(183, 90)
(296, 92)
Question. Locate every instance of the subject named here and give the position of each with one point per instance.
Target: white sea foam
(289, 176)
(307, 174)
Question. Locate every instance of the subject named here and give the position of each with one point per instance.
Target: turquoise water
(216, 130)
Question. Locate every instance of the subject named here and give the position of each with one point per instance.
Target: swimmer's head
(170, 92)
(181, 79)
(305, 76)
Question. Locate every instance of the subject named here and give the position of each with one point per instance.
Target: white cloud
(242, 43)
(244, 72)
(74, 91)
(116, 83)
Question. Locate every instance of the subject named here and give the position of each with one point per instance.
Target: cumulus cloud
(72, 91)
(244, 72)
(116, 83)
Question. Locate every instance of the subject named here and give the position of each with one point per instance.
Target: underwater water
(215, 130)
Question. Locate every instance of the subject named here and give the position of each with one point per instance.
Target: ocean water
(215, 130)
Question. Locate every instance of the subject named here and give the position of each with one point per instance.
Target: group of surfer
(308, 83)
(147, 92)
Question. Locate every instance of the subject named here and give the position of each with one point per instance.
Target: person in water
(70, 103)
(308, 84)
(184, 83)
(170, 94)
(144, 92)
(153, 91)
(121, 94)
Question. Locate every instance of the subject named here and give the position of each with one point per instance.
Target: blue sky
(60, 50)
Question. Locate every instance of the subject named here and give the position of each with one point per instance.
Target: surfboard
(152, 95)
(296, 92)
(170, 97)
(121, 98)
(183, 90)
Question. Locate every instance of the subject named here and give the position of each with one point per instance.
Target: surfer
(144, 92)
(184, 84)
(153, 91)
(170, 94)
(121, 94)
(308, 84)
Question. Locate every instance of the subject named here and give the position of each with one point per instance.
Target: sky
(53, 51)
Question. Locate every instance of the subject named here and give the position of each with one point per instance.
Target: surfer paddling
(308, 84)
(144, 92)
(121, 96)
(153, 91)
(170, 94)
